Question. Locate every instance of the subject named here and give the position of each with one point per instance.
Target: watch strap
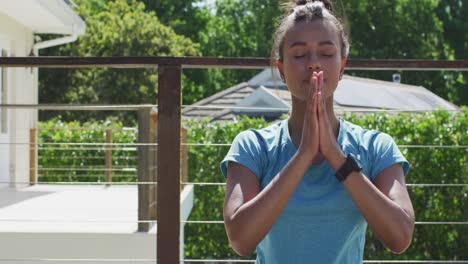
(348, 166)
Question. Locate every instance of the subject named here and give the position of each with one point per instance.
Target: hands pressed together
(318, 140)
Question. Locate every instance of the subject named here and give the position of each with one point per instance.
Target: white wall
(22, 90)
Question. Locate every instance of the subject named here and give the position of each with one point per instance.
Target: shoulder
(251, 147)
(365, 136)
(378, 149)
(261, 137)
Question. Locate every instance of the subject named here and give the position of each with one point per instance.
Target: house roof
(45, 16)
(352, 94)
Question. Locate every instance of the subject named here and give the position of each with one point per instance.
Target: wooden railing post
(153, 188)
(184, 157)
(108, 157)
(169, 120)
(143, 168)
(32, 156)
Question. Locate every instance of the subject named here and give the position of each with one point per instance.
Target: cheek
(293, 68)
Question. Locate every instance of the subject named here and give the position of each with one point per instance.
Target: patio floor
(77, 222)
(76, 209)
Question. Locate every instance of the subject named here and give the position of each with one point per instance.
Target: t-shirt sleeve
(385, 154)
(245, 150)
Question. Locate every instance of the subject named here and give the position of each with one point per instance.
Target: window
(3, 96)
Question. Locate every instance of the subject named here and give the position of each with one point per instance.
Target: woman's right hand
(309, 146)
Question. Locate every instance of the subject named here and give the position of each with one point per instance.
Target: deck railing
(169, 123)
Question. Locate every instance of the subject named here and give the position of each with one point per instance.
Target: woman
(304, 189)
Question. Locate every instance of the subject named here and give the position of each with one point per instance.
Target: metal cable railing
(183, 144)
(133, 260)
(182, 222)
(417, 185)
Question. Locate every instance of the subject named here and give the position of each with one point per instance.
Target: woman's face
(308, 47)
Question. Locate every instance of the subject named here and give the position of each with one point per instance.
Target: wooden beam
(143, 169)
(108, 157)
(153, 162)
(210, 62)
(33, 156)
(71, 107)
(169, 121)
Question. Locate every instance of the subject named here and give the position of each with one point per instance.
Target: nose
(313, 63)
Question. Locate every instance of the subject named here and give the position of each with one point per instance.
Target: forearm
(391, 224)
(387, 219)
(252, 221)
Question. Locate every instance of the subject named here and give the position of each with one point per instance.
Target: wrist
(304, 155)
(350, 166)
(336, 159)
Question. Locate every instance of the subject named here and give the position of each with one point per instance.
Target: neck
(296, 119)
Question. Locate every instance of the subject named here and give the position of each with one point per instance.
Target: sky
(209, 3)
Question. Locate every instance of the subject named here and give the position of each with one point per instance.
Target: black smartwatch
(349, 166)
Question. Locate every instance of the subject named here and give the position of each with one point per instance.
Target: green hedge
(428, 165)
(57, 162)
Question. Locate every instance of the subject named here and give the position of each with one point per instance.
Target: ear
(279, 64)
(343, 65)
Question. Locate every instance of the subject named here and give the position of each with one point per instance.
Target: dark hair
(306, 10)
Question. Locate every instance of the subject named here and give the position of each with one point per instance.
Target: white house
(20, 21)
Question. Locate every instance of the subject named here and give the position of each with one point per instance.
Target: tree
(400, 29)
(453, 14)
(387, 29)
(117, 28)
(236, 29)
(185, 17)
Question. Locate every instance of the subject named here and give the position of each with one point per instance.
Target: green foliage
(402, 29)
(210, 241)
(388, 29)
(84, 162)
(117, 28)
(431, 166)
(186, 17)
(236, 29)
(453, 14)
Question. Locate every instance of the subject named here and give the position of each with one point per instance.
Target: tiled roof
(352, 94)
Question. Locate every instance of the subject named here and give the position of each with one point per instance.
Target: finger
(310, 105)
(322, 108)
(320, 81)
(319, 103)
(309, 91)
(317, 88)
(313, 86)
(320, 85)
(315, 118)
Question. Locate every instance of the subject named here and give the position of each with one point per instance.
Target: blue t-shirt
(320, 223)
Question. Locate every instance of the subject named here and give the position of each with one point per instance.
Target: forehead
(309, 32)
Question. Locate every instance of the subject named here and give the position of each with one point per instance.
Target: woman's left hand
(327, 143)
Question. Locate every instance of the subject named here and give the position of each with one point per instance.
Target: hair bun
(327, 3)
(289, 6)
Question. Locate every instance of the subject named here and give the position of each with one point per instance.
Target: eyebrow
(302, 43)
